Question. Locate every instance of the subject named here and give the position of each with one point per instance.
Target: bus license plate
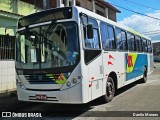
(41, 97)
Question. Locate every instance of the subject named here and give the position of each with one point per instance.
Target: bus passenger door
(93, 62)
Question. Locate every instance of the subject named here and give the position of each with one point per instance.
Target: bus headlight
(20, 84)
(68, 84)
(74, 81)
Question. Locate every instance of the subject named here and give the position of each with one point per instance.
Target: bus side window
(138, 44)
(144, 45)
(95, 42)
(131, 43)
(120, 39)
(107, 34)
(141, 44)
(149, 46)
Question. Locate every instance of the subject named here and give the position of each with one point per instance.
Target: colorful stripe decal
(135, 65)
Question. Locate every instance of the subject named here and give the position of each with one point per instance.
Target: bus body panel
(92, 76)
(114, 62)
(135, 65)
(70, 96)
(66, 94)
(95, 77)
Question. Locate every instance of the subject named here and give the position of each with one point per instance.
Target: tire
(110, 90)
(144, 79)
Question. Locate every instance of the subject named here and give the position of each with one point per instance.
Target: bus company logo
(6, 114)
(129, 61)
(110, 58)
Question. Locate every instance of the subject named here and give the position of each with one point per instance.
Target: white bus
(72, 55)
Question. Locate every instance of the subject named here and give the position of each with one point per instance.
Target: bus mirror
(90, 31)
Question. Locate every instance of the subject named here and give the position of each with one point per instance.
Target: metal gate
(7, 47)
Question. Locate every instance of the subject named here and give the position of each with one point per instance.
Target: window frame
(146, 45)
(113, 28)
(149, 44)
(139, 42)
(85, 35)
(126, 45)
(131, 34)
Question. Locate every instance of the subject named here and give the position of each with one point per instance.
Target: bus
(72, 55)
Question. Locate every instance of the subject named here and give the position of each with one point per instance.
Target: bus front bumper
(69, 96)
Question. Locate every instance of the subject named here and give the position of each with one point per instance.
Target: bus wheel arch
(111, 86)
(113, 75)
(144, 79)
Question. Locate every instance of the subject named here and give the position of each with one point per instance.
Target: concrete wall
(7, 75)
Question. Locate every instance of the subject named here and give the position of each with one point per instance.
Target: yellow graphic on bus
(131, 59)
(58, 78)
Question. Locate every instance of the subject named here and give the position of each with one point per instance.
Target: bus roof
(104, 19)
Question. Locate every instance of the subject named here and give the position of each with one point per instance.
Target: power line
(156, 33)
(141, 5)
(151, 31)
(135, 11)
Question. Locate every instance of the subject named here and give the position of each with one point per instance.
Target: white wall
(7, 75)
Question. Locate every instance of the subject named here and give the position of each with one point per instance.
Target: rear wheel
(144, 79)
(110, 90)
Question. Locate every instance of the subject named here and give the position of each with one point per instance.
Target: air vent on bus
(40, 79)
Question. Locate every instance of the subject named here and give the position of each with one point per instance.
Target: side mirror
(90, 31)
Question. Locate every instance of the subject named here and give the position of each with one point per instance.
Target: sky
(138, 22)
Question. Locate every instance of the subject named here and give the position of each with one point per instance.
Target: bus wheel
(110, 90)
(144, 79)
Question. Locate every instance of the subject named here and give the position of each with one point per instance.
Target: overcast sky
(138, 22)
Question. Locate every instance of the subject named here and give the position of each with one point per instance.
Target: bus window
(107, 34)
(120, 39)
(92, 43)
(138, 44)
(145, 49)
(131, 43)
(141, 45)
(149, 46)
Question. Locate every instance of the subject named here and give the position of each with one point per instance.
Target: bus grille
(40, 79)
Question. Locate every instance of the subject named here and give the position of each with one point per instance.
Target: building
(98, 6)
(12, 10)
(156, 51)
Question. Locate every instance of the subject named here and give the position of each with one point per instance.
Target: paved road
(134, 97)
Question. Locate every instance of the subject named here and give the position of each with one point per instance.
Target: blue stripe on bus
(141, 61)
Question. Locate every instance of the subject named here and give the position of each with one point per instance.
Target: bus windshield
(47, 46)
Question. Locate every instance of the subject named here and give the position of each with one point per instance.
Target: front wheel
(110, 90)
